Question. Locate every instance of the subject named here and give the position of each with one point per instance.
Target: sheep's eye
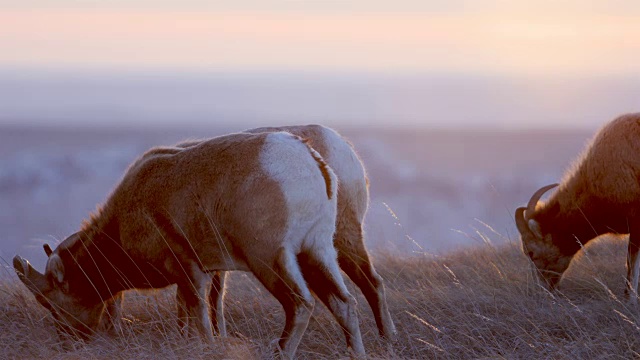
(531, 254)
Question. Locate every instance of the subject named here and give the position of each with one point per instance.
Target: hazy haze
(387, 63)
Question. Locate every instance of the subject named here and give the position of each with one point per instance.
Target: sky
(560, 41)
(491, 36)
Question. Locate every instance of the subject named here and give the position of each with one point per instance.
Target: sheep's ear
(56, 268)
(535, 228)
(47, 249)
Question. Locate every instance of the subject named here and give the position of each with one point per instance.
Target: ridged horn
(521, 223)
(34, 280)
(531, 207)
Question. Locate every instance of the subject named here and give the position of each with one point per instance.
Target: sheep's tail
(329, 176)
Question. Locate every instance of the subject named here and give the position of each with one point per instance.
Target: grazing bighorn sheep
(600, 195)
(353, 201)
(264, 203)
(353, 198)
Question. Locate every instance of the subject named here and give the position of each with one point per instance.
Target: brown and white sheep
(353, 201)
(263, 203)
(599, 195)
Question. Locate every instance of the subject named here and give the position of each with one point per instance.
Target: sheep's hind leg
(284, 280)
(322, 273)
(355, 262)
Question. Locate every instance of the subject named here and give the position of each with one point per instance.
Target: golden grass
(475, 303)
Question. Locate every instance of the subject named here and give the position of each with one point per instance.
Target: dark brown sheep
(599, 195)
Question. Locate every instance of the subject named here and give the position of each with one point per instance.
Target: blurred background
(459, 109)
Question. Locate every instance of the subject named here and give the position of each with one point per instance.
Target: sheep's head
(53, 290)
(550, 262)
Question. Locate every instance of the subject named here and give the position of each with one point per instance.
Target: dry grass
(472, 304)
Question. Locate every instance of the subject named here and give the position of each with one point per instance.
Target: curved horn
(35, 281)
(521, 223)
(531, 207)
(22, 266)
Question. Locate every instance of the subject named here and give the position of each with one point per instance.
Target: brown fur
(182, 212)
(599, 195)
(353, 201)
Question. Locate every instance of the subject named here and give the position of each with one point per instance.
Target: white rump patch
(288, 161)
(275, 157)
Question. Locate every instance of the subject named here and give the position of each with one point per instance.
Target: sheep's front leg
(633, 266)
(216, 303)
(111, 319)
(194, 298)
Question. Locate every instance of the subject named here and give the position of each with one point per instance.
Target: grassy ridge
(481, 302)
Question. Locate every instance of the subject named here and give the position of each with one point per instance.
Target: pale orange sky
(521, 37)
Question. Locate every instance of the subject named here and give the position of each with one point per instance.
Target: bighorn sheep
(264, 203)
(600, 195)
(353, 198)
(353, 201)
